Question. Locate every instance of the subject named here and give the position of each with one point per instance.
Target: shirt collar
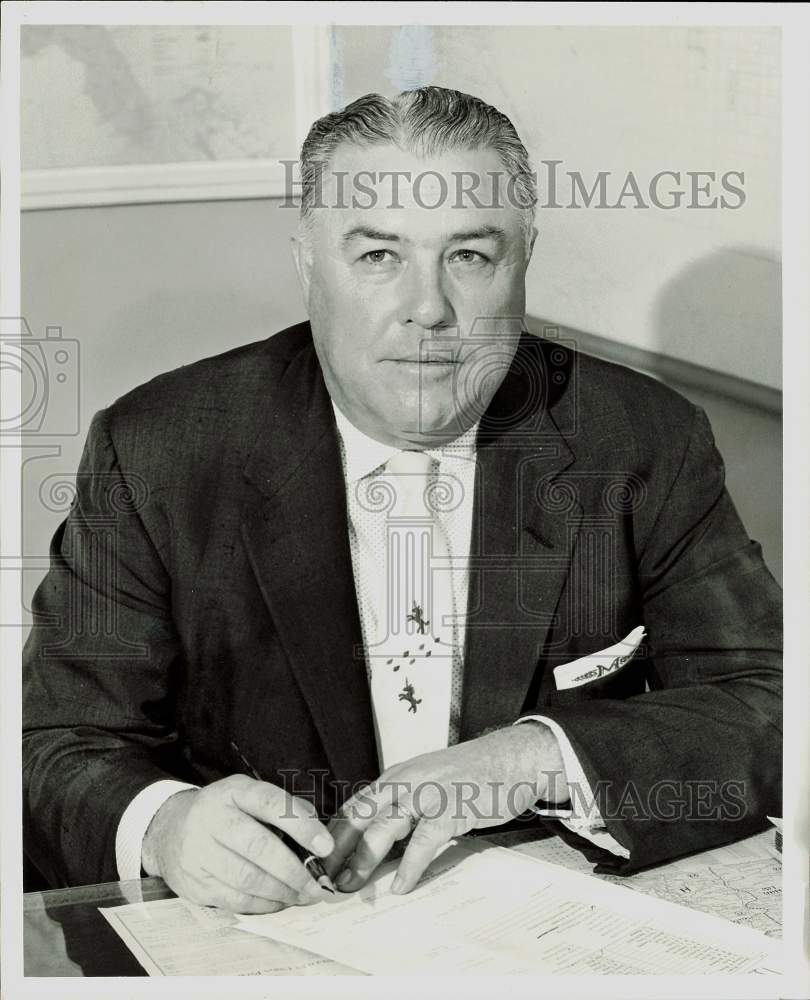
(363, 454)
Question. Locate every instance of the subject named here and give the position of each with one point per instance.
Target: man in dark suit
(214, 583)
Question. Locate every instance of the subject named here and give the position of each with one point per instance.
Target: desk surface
(65, 935)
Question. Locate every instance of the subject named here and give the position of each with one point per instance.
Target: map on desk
(739, 882)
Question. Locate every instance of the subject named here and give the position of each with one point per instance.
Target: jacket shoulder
(207, 398)
(221, 373)
(606, 388)
(615, 417)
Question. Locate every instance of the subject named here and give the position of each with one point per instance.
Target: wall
(163, 108)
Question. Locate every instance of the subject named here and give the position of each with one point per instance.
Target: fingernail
(398, 884)
(322, 845)
(344, 878)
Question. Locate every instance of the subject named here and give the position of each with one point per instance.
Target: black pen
(310, 861)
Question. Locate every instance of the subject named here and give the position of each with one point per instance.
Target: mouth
(423, 362)
(423, 369)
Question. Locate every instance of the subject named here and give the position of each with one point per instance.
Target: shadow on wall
(724, 311)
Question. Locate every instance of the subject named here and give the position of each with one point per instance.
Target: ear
(530, 248)
(302, 258)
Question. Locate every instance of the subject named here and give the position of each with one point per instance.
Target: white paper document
(171, 937)
(487, 910)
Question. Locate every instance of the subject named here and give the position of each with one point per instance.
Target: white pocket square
(595, 665)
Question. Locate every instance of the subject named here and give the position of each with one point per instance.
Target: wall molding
(665, 367)
(163, 182)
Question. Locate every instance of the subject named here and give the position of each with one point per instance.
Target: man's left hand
(481, 783)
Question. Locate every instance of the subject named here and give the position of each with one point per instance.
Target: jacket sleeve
(695, 761)
(98, 674)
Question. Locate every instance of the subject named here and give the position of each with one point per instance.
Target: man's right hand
(210, 846)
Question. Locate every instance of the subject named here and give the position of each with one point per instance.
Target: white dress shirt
(361, 456)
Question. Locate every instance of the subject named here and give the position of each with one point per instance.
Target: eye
(377, 256)
(469, 257)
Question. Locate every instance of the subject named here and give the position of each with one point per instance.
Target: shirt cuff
(135, 822)
(582, 816)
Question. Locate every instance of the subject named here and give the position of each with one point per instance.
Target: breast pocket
(624, 682)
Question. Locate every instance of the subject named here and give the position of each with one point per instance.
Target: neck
(402, 440)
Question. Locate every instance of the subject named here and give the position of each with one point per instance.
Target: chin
(426, 418)
(446, 427)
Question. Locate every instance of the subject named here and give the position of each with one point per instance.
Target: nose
(425, 301)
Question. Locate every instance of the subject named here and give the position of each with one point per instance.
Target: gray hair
(427, 121)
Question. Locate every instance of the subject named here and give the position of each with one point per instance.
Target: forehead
(419, 198)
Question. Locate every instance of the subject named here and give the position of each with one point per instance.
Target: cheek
(329, 292)
(376, 303)
(344, 331)
(503, 295)
(340, 296)
(509, 292)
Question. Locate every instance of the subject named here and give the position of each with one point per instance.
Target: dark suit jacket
(201, 591)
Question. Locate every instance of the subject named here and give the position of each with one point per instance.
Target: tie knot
(410, 463)
(410, 472)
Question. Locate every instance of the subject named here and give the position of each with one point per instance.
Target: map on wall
(100, 96)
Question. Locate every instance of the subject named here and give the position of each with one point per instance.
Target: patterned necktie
(412, 664)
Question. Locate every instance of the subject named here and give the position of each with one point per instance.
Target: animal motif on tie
(407, 694)
(416, 616)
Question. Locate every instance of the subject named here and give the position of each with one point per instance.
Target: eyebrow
(367, 232)
(482, 233)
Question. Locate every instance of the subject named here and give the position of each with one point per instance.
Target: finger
(252, 841)
(207, 890)
(243, 876)
(372, 849)
(345, 836)
(429, 836)
(346, 832)
(353, 818)
(292, 815)
(241, 902)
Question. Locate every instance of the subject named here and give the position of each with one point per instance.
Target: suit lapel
(296, 534)
(522, 539)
